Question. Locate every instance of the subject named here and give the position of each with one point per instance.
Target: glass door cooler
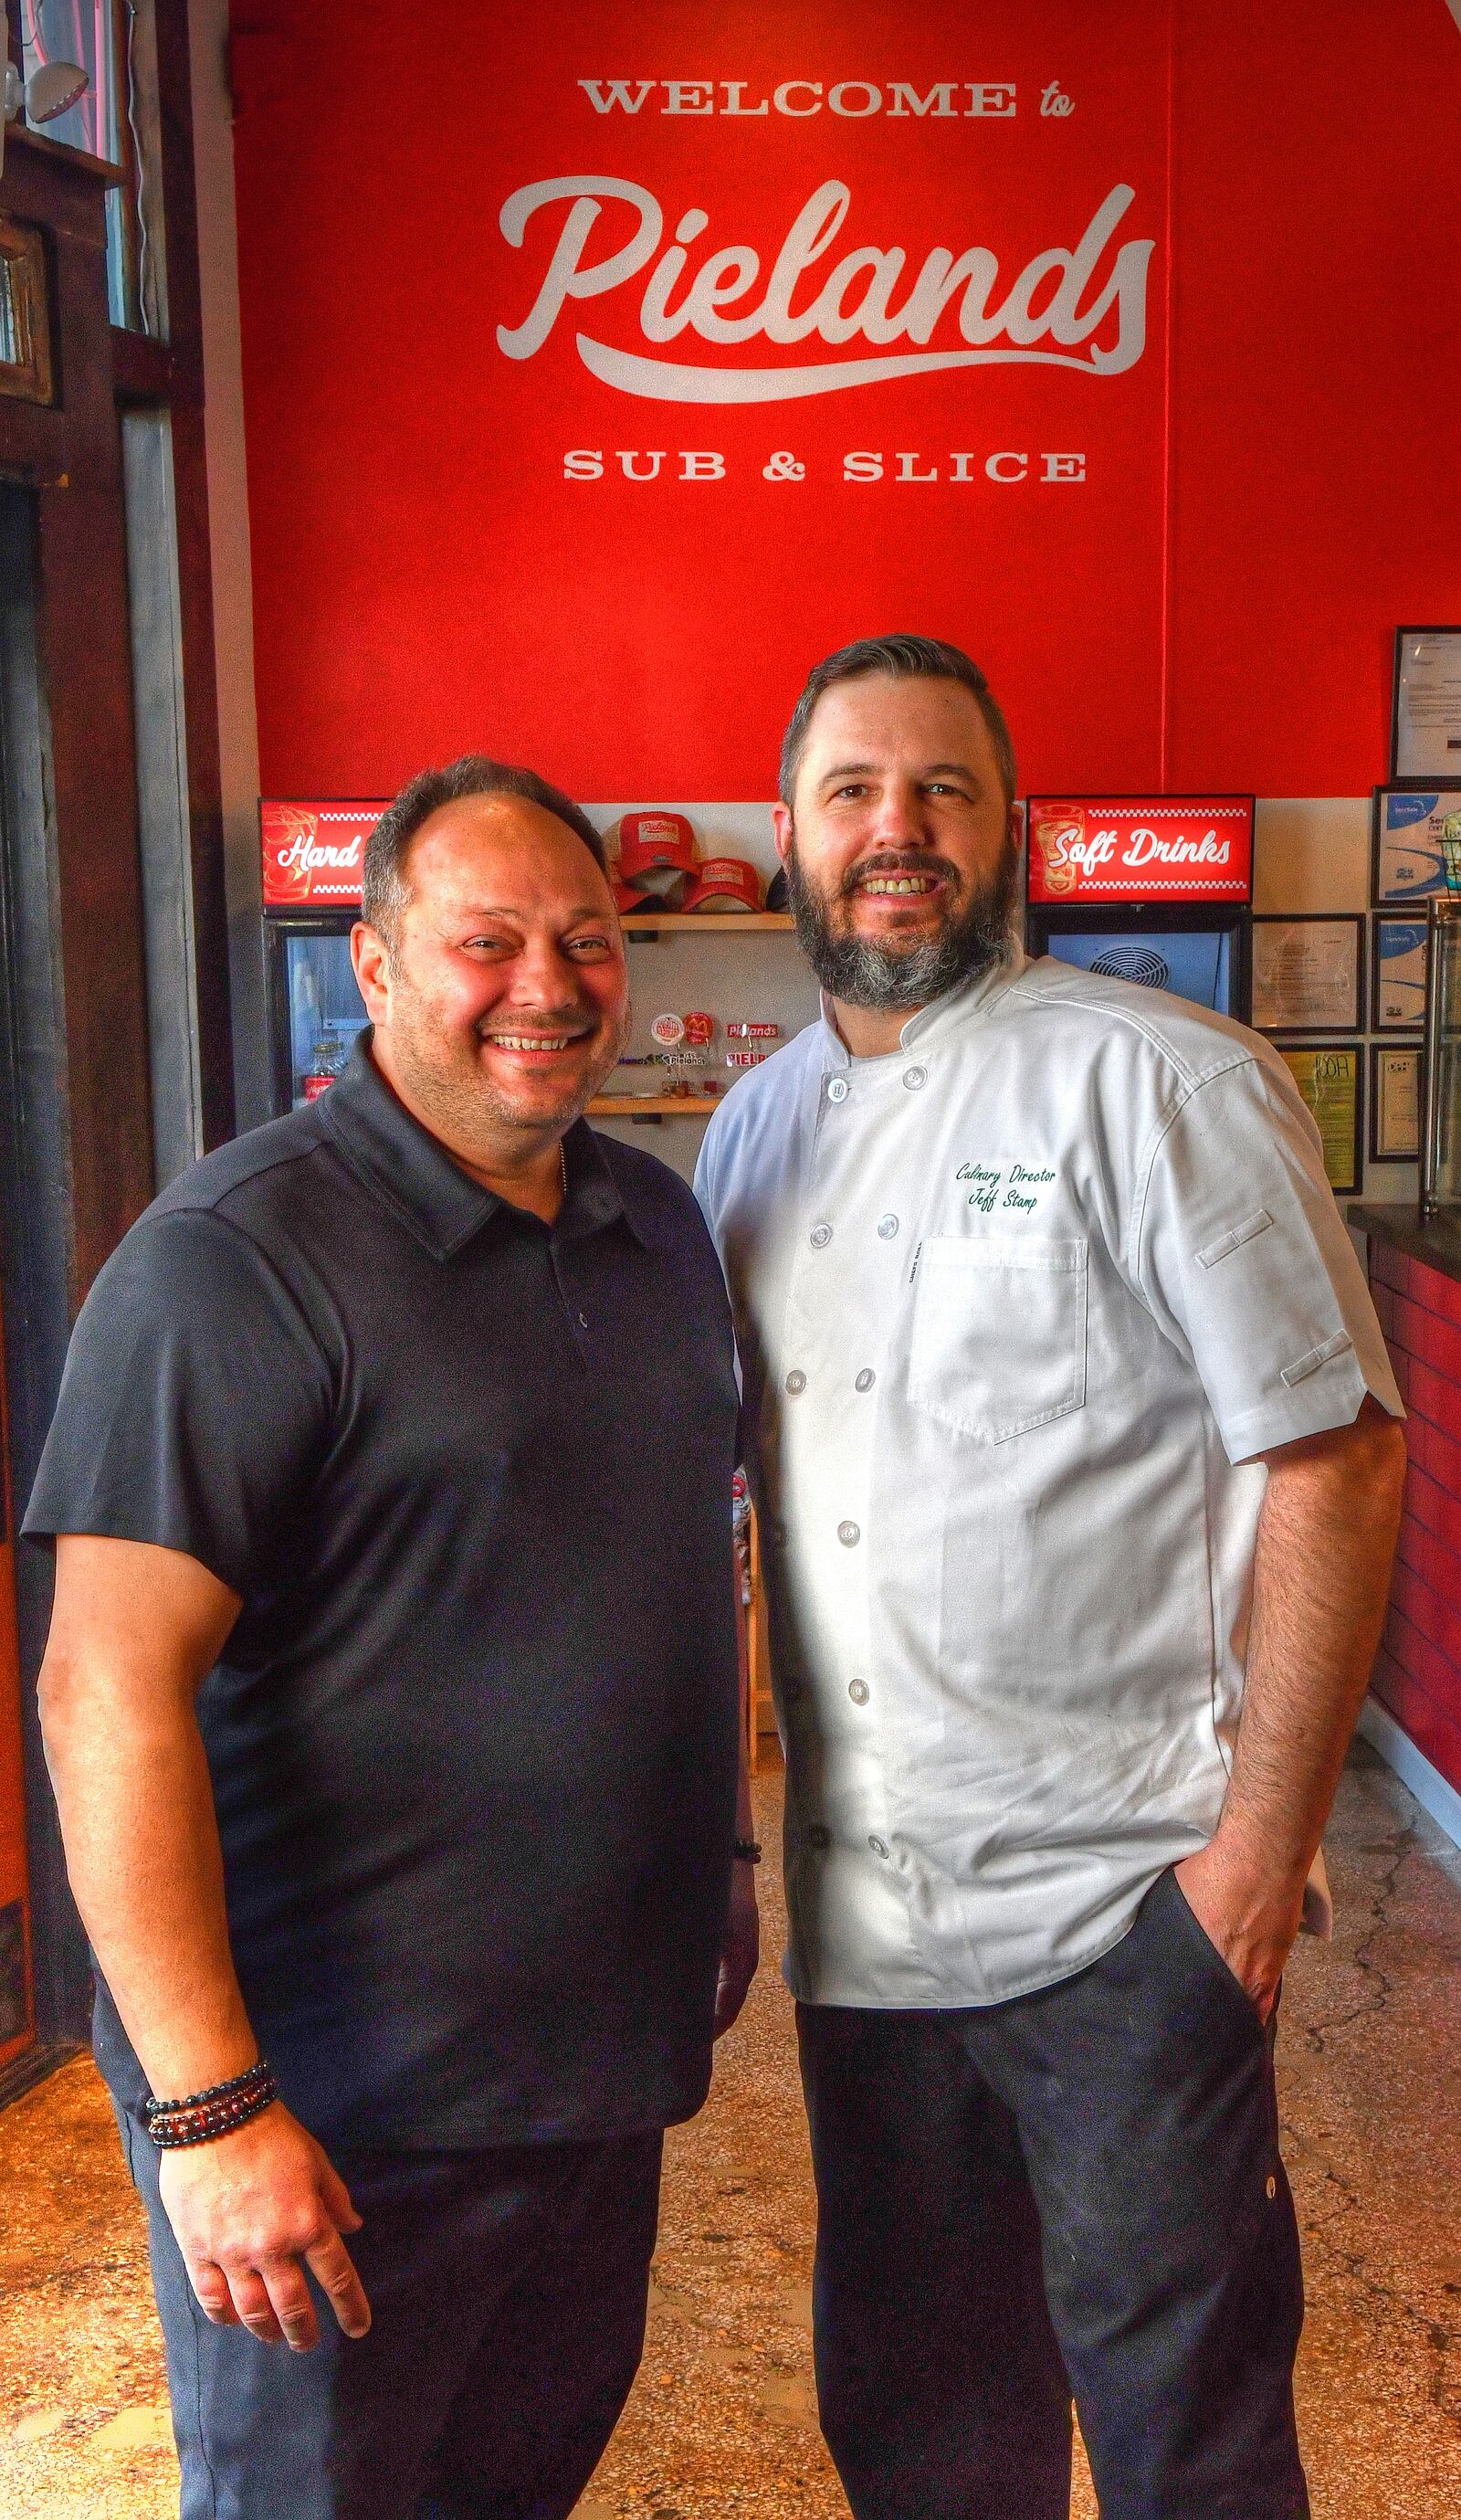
(312, 857)
(1154, 889)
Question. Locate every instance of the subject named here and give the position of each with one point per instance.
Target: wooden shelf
(660, 923)
(653, 1106)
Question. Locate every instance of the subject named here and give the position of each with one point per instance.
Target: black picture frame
(1352, 1021)
(1397, 1028)
(1400, 788)
(1398, 778)
(1350, 1047)
(1384, 1050)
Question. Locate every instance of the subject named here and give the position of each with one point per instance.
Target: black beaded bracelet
(152, 2108)
(747, 1850)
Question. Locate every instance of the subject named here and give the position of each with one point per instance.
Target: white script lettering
(855, 297)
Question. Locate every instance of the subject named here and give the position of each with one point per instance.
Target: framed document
(1424, 741)
(1412, 834)
(1398, 974)
(1307, 973)
(1394, 1101)
(1329, 1076)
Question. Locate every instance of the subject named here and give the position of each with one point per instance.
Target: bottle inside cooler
(325, 1012)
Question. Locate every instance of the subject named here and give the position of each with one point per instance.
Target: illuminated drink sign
(1100, 851)
(313, 853)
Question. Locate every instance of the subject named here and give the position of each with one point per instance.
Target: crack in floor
(1318, 2033)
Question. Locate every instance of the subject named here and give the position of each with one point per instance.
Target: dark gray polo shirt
(474, 1737)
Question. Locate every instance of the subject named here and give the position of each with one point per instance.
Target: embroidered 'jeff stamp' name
(998, 1188)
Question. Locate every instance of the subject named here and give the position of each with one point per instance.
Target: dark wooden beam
(70, 456)
(184, 397)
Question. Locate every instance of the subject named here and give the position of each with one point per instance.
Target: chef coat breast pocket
(998, 1342)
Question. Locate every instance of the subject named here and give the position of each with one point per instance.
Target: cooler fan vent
(1133, 962)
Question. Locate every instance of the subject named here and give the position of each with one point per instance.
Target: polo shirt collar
(412, 1172)
(969, 1000)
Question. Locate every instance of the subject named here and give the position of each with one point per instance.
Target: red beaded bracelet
(204, 2116)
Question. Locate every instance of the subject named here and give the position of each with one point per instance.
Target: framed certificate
(1329, 1076)
(1398, 974)
(1394, 1101)
(1425, 741)
(1412, 832)
(1307, 973)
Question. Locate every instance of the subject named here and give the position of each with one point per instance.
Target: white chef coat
(1017, 1304)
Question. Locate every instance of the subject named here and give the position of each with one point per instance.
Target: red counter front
(1417, 1673)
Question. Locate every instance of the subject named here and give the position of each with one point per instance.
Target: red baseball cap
(727, 883)
(650, 839)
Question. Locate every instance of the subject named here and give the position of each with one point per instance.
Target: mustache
(897, 862)
(549, 1022)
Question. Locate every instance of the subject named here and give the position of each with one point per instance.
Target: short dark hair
(384, 888)
(905, 657)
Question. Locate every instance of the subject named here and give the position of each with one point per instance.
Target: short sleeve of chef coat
(194, 1404)
(1243, 1257)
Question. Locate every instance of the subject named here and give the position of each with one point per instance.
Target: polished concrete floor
(722, 2419)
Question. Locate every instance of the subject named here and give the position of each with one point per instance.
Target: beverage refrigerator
(312, 857)
(1154, 889)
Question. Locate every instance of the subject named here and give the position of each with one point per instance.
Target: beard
(973, 936)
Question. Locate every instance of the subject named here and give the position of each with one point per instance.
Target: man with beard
(398, 1806)
(1067, 1413)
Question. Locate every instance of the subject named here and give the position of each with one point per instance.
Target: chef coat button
(858, 1691)
(865, 1379)
(887, 1227)
(819, 1836)
(879, 1846)
(849, 1534)
(796, 1380)
(1271, 2189)
(821, 1235)
(913, 1078)
(583, 1320)
(838, 1089)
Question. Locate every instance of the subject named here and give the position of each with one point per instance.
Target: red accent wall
(1269, 488)
(1418, 1673)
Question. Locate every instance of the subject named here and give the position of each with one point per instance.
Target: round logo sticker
(668, 1030)
(699, 1029)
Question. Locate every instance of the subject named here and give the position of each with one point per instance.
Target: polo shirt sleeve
(1242, 1256)
(194, 1402)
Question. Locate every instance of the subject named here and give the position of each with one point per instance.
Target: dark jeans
(507, 2290)
(1078, 2192)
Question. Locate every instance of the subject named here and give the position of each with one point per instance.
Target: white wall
(1313, 853)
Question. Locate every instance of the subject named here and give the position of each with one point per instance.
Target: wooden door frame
(75, 1101)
